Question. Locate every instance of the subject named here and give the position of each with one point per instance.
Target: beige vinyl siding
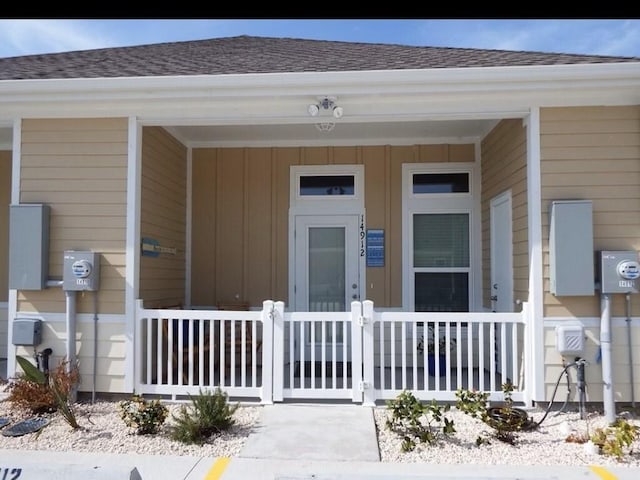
(79, 168)
(504, 168)
(5, 201)
(241, 207)
(163, 214)
(592, 153)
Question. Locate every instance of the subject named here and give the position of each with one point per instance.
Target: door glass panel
(442, 292)
(441, 240)
(327, 269)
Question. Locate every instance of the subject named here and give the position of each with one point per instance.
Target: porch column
(535, 361)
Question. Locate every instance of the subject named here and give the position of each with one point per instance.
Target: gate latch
(362, 320)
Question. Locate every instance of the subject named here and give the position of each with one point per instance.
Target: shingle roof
(247, 54)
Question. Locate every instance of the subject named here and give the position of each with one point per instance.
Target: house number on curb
(10, 473)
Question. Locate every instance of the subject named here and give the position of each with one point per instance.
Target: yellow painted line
(218, 468)
(602, 472)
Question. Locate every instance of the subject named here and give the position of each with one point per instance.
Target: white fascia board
(473, 79)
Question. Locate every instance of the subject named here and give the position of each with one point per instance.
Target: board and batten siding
(593, 153)
(163, 213)
(240, 215)
(79, 168)
(504, 168)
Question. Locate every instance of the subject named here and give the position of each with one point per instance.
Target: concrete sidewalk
(290, 442)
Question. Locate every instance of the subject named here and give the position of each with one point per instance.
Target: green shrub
(209, 413)
(617, 438)
(145, 417)
(418, 422)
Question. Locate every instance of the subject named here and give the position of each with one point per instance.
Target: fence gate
(317, 355)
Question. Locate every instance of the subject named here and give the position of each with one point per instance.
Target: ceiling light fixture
(325, 103)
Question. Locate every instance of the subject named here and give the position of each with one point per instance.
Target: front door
(501, 254)
(326, 262)
(326, 273)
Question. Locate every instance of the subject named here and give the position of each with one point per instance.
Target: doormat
(4, 421)
(30, 425)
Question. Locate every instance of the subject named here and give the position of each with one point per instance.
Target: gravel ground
(103, 431)
(545, 445)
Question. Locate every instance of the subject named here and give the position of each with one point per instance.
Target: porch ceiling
(398, 132)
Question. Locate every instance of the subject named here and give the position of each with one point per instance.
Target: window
(327, 185)
(437, 227)
(441, 183)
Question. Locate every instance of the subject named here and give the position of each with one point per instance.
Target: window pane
(441, 183)
(441, 240)
(327, 185)
(327, 269)
(441, 292)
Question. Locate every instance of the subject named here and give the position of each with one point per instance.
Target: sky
(582, 36)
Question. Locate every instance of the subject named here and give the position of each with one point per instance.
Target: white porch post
(369, 399)
(132, 251)
(12, 305)
(268, 316)
(277, 346)
(536, 288)
(356, 351)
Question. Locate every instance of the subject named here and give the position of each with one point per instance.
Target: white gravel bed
(545, 445)
(102, 430)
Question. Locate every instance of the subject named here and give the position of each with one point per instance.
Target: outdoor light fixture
(325, 103)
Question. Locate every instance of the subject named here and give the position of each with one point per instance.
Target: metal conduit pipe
(70, 296)
(605, 347)
(633, 400)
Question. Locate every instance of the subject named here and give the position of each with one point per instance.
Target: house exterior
(192, 168)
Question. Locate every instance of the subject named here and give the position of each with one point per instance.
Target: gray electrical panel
(571, 270)
(28, 246)
(27, 331)
(618, 271)
(80, 270)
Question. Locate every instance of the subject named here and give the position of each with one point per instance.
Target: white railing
(361, 355)
(479, 351)
(180, 351)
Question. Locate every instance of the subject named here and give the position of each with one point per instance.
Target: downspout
(605, 348)
(95, 345)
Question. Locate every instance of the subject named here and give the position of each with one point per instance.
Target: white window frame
(434, 203)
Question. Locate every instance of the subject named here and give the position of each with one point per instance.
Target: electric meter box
(571, 248)
(27, 331)
(618, 271)
(81, 271)
(28, 246)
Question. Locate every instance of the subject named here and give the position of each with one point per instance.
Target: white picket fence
(361, 355)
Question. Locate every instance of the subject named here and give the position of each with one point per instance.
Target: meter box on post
(81, 271)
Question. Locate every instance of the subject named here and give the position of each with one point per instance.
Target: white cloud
(26, 37)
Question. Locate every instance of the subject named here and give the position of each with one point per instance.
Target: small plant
(430, 341)
(145, 417)
(209, 413)
(417, 421)
(616, 439)
(40, 393)
(505, 420)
